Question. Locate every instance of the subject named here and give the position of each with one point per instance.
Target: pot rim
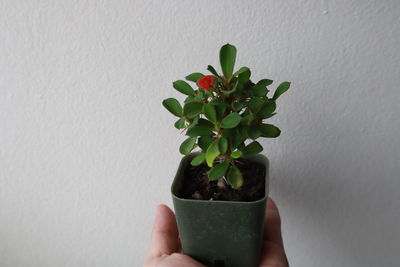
(260, 158)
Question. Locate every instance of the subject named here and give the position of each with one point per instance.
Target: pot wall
(220, 233)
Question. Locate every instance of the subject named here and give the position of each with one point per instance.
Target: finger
(164, 238)
(177, 260)
(272, 232)
(273, 255)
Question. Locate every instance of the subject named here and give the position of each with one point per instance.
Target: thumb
(164, 238)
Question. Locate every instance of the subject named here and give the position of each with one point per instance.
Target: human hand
(165, 249)
(273, 254)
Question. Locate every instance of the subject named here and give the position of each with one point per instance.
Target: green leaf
(259, 90)
(193, 122)
(253, 132)
(268, 108)
(204, 142)
(265, 82)
(187, 145)
(199, 98)
(228, 92)
(235, 83)
(231, 121)
(194, 76)
(173, 106)
(269, 116)
(243, 130)
(189, 99)
(212, 70)
(244, 76)
(210, 113)
(217, 171)
(248, 118)
(196, 98)
(241, 146)
(220, 107)
(227, 58)
(237, 138)
(236, 154)
(252, 149)
(237, 106)
(183, 87)
(241, 70)
(199, 159)
(228, 132)
(283, 87)
(179, 124)
(192, 109)
(212, 152)
(223, 145)
(198, 131)
(205, 123)
(269, 130)
(235, 178)
(255, 104)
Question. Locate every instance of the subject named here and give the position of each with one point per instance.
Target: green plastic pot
(220, 233)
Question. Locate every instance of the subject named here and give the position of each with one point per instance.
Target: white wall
(87, 150)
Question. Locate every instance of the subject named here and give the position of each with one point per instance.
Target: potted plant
(220, 192)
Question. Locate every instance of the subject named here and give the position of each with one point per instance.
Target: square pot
(220, 233)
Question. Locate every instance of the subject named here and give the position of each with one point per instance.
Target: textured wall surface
(87, 151)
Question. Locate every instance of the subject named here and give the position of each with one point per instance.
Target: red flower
(207, 82)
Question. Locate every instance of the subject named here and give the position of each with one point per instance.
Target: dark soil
(196, 184)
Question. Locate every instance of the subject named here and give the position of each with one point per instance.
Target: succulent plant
(223, 115)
